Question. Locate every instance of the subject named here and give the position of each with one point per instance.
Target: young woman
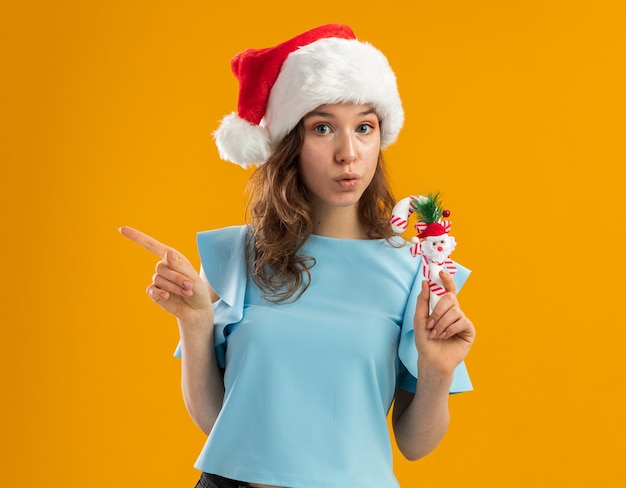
(304, 326)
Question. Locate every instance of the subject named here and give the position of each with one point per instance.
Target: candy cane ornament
(432, 242)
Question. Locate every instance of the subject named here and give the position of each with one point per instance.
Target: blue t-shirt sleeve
(407, 352)
(222, 254)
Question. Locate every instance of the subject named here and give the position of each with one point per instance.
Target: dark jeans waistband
(208, 480)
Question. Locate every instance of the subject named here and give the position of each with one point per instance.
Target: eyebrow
(331, 116)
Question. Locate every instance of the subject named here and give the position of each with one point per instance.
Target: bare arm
(443, 339)
(181, 291)
(201, 379)
(421, 420)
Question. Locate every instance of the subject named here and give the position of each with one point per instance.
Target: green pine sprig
(428, 210)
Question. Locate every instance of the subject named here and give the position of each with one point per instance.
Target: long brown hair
(281, 219)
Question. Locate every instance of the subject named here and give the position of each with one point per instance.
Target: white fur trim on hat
(333, 70)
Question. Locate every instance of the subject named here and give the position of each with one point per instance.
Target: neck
(340, 222)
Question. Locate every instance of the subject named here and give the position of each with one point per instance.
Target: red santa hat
(281, 84)
(436, 229)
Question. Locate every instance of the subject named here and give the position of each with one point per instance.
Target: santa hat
(436, 229)
(280, 85)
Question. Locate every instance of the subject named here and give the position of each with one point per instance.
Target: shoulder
(398, 249)
(224, 245)
(230, 232)
(225, 236)
(364, 257)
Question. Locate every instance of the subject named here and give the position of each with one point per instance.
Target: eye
(364, 129)
(322, 129)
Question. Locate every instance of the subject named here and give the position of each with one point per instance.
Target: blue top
(308, 384)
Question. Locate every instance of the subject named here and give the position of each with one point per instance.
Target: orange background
(515, 111)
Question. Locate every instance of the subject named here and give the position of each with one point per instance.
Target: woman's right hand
(176, 286)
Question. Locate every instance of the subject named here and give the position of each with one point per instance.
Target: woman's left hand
(444, 337)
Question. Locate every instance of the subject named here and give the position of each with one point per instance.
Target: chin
(348, 200)
(338, 202)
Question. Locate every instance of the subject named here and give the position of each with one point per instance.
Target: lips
(348, 180)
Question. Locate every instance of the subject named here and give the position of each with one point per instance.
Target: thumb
(448, 282)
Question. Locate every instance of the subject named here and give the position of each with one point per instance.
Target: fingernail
(163, 295)
(187, 293)
(430, 324)
(188, 285)
(433, 333)
(443, 335)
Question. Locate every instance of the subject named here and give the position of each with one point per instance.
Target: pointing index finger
(144, 240)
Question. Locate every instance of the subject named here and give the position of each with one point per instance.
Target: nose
(346, 150)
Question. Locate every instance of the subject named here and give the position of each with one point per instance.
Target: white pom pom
(241, 142)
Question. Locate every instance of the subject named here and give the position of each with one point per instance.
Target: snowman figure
(432, 242)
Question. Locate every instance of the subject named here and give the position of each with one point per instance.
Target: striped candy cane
(416, 248)
(400, 214)
(400, 220)
(431, 271)
(402, 211)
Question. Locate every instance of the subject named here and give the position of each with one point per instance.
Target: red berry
(446, 213)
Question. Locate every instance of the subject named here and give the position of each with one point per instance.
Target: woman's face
(339, 154)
